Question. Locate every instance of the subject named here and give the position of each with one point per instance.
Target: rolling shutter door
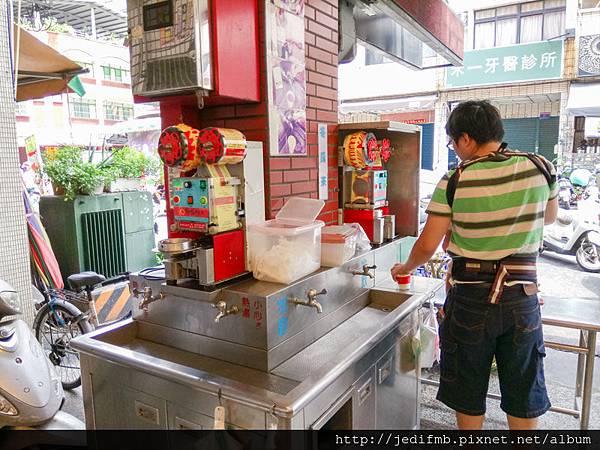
(427, 146)
(521, 134)
(548, 137)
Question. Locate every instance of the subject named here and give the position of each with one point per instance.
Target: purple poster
(287, 77)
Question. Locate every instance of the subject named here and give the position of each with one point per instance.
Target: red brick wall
(295, 176)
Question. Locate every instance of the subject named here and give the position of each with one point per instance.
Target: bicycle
(58, 320)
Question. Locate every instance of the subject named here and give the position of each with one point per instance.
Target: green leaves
(67, 170)
(70, 171)
(130, 163)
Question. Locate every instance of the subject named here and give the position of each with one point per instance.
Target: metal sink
(387, 301)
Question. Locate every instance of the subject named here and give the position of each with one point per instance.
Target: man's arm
(551, 211)
(434, 231)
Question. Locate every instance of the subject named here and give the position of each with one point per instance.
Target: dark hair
(479, 119)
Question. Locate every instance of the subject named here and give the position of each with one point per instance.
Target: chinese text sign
(523, 62)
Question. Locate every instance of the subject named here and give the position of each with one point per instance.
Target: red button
(176, 199)
(190, 200)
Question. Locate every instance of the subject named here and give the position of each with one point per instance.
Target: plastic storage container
(287, 248)
(338, 245)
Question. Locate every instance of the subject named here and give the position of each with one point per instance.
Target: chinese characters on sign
(323, 176)
(523, 62)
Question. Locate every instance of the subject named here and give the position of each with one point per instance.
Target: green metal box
(108, 233)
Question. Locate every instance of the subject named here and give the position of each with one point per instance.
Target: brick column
(295, 176)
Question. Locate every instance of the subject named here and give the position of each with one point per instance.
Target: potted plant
(127, 167)
(71, 175)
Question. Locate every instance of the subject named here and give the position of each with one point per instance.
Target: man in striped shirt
(492, 213)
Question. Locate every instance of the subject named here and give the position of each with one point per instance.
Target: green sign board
(522, 62)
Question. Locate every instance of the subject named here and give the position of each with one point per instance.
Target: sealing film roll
(222, 146)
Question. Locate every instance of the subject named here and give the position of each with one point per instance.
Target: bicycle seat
(84, 280)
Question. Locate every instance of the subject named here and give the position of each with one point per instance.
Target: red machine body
(365, 218)
(229, 255)
(235, 51)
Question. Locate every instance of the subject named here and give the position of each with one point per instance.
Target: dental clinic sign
(523, 62)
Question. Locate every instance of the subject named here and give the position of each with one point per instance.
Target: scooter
(576, 233)
(566, 194)
(31, 394)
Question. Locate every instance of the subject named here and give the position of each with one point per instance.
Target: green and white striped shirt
(498, 208)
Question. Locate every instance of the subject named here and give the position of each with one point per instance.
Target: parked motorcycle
(576, 233)
(566, 194)
(30, 390)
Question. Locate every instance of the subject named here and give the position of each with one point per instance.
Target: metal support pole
(567, 411)
(582, 350)
(580, 361)
(93, 22)
(587, 381)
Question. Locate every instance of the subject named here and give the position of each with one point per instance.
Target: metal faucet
(366, 271)
(148, 297)
(224, 311)
(311, 299)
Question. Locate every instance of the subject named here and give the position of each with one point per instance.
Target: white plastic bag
(363, 242)
(429, 337)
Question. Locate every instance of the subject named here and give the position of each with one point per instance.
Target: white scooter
(31, 394)
(576, 232)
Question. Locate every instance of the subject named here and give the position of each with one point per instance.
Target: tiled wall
(14, 257)
(514, 90)
(512, 110)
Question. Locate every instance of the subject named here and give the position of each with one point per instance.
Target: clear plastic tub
(338, 245)
(288, 247)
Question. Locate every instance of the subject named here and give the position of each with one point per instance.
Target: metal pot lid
(176, 245)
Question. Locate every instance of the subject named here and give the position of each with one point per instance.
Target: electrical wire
(145, 273)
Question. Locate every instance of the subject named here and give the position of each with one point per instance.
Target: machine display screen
(158, 15)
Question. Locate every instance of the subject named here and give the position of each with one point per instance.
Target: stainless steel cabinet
(143, 411)
(397, 385)
(363, 401)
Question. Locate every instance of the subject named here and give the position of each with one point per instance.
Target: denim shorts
(475, 331)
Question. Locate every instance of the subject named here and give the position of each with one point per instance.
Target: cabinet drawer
(144, 411)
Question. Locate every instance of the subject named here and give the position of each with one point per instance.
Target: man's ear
(468, 141)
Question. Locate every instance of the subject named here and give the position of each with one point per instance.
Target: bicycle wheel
(54, 328)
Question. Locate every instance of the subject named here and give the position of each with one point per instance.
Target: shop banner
(522, 62)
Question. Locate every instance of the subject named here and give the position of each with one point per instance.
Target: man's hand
(435, 229)
(399, 269)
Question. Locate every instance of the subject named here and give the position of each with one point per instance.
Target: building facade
(521, 57)
(68, 119)
(526, 57)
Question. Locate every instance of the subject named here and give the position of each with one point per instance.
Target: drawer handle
(385, 371)
(364, 392)
(182, 424)
(147, 413)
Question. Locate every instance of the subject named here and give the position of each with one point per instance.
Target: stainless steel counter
(138, 373)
